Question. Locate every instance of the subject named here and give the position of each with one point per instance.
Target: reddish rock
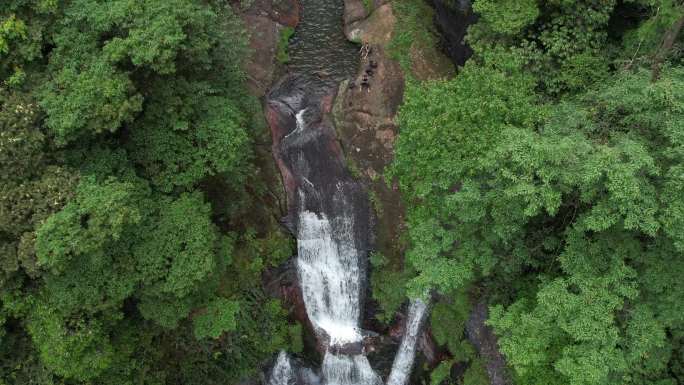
(264, 20)
(365, 113)
(287, 13)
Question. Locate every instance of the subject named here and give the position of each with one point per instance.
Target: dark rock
(350, 349)
(452, 19)
(287, 223)
(458, 371)
(485, 342)
(368, 343)
(429, 348)
(381, 355)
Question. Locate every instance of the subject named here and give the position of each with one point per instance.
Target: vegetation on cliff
(117, 265)
(548, 174)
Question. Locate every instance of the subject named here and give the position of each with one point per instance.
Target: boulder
(354, 11)
(376, 29)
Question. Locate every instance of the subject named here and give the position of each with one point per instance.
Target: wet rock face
(264, 20)
(309, 156)
(316, 179)
(452, 19)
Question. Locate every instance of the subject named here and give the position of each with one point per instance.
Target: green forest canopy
(549, 175)
(114, 118)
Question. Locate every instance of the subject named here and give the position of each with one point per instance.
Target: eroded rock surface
(365, 111)
(264, 20)
(376, 28)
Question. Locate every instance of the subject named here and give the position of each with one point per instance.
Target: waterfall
(348, 370)
(299, 118)
(282, 372)
(403, 361)
(329, 277)
(285, 372)
(328, 210)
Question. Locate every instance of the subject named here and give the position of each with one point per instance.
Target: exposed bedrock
(365, 112)
(264, 19)
(328, 210)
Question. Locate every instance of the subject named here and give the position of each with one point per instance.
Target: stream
(328, 210)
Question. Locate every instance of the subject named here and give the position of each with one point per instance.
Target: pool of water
(319, 45)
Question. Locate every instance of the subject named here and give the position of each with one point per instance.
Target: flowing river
(328, 210)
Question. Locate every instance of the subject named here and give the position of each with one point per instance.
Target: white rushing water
(282, 372)
(348, 370)
(403, 361)
(330, 279)
(299, 118)
(329, 276)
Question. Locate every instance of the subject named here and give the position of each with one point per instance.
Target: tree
(114, 116)
(448, 128)
(576, 201)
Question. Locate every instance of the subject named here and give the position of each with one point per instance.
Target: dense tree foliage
(116, 118)
(548, 175)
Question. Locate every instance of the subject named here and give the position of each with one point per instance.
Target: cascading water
(282, 372)
(286, 372)
(329, 277)
(403, 361)
(348, 370)
(328, 210)
(329, 215)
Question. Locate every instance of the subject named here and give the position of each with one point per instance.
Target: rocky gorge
(333, 126)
